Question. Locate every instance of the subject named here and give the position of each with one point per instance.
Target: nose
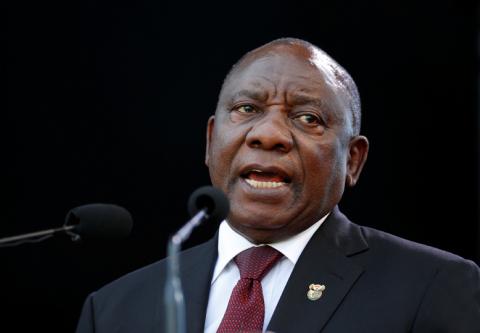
(271, 133)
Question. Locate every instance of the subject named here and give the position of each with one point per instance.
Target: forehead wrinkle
(297, 98)
(256, 88)
(263, 88)
(255, 94)
(266, 78)
(312, 79)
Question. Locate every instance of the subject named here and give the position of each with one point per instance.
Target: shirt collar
(231, 243)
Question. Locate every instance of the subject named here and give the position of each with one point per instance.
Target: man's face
(278, 145)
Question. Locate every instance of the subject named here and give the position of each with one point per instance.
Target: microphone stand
(33, 236)
(173, 295)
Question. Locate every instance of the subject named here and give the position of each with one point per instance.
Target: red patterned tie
(246, 309)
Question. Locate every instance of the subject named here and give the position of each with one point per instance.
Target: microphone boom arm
(19, 239)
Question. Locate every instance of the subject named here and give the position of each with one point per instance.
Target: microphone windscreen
(100, 220)
(211, 198)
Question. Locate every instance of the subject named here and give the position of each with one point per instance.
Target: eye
(245, 109)
(309, 119)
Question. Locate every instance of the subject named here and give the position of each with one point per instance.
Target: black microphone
(211, 199)
(89, 221)
(205, 203)
(100, 220)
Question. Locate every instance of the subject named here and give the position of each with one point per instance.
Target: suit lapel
(325, 260)
(196, 274)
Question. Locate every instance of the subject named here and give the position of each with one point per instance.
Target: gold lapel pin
(315, 291)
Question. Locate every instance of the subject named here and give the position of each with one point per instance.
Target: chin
(260, 228)
(263, 236)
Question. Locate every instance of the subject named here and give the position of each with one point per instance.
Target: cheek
(217, 165)
(223, 150)
(325, 170)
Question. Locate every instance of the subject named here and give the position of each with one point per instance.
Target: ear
(357, 155)
(210, 125)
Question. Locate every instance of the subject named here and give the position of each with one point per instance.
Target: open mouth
(265, 179)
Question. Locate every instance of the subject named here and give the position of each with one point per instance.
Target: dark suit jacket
(375, 282)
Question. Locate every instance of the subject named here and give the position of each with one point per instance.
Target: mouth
(260, 177)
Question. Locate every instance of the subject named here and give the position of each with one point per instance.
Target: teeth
(257, 184)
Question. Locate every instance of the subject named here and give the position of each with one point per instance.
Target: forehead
(286, 69)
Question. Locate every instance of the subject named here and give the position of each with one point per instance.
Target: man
(283, 144)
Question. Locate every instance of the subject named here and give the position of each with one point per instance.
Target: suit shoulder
(152, 274)
(394, 246)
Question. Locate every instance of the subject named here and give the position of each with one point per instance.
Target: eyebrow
(294, 99)
(257, 95)
(302, 99)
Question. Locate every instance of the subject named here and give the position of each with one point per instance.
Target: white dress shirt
(226, 273)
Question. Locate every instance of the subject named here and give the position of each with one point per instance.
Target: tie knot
(255, 262)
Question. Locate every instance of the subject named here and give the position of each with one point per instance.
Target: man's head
(284, 140)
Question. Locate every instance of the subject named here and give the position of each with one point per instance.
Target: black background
(109, 102)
